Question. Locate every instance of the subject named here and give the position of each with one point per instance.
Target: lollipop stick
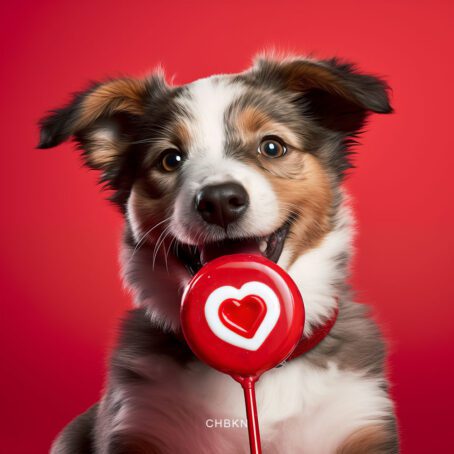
(248, 384)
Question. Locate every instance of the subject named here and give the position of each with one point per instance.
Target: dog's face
(232, 163)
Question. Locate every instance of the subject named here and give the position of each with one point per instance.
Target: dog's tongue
(211, 251)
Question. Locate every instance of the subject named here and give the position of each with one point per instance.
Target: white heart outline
(218, 296)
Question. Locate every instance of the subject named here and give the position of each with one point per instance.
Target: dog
(250, 161)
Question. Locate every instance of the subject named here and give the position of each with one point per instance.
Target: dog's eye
(272, 147)
(171, 160)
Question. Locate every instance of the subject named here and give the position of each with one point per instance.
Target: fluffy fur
(158, 396)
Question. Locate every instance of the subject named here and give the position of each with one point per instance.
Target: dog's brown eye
(171, 160)
(272, 147)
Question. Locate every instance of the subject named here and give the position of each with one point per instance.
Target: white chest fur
(302, 408)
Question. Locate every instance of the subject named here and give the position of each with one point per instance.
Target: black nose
(222, 204)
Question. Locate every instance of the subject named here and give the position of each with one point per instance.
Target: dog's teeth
(263, 246)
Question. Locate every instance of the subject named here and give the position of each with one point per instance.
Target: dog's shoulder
(355, 343)
(78, 436)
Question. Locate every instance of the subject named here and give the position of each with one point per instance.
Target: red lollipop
(243, 315)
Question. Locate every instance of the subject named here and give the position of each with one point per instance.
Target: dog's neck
(321, 273)
(157, 282)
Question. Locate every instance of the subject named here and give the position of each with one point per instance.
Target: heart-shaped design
(243, 317)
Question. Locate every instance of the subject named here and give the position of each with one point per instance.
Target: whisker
(159, 242)
(143, 237)
(167, 252)
(150, 230)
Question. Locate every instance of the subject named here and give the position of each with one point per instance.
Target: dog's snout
(222, 204)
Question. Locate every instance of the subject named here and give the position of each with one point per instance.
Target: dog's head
(230, 163)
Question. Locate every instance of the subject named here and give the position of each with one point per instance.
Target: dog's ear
(101, 119)
(334, 94)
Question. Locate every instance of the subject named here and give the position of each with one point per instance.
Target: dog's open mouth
(269, 246)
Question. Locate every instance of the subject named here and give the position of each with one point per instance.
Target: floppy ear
(334, 94)
(101, 119)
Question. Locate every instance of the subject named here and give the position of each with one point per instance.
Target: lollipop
(242, 315)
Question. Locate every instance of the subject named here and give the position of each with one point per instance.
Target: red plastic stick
(248, 384)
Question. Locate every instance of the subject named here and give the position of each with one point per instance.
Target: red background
(61, 297)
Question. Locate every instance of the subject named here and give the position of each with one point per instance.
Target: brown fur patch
(252, 123)
(303, 189)
(182, 135)
(252, 119)
(371, 439)
(124, 95)
(301, 75)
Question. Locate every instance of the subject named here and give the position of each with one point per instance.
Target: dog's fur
(158, 396)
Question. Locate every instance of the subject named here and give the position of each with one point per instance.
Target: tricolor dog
(250, 162)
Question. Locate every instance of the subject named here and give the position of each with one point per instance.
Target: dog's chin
(269, 246)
